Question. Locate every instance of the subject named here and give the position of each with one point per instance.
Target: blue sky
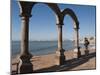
(43, 22)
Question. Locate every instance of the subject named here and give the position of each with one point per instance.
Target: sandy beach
(46, 63)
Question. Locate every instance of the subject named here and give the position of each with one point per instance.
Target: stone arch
(71, 13)
(44, 23)
(26, 8)
(25, 14)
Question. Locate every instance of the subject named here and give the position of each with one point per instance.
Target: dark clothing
(86, 43)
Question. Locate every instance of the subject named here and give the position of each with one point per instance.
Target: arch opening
(68, 35)
(42, 30)
(71, 13)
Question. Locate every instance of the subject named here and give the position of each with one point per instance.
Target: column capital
(25, 18)
(60, 23)
(59, 26)
(25, 15)
(25, 8)
(76, 28)
(76, 25)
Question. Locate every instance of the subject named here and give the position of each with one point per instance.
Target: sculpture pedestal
(60, 57)
(25, 66)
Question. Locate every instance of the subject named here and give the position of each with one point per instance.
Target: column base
(60, 57)
(77, 53)
(25, 66)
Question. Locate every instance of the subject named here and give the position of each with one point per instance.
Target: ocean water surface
(41, 47)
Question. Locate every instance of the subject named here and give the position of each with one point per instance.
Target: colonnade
(25, 14)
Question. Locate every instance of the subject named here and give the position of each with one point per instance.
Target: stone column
(60, 57)
(24, 36)
(60, 44)
(77, 52)
(25, 65)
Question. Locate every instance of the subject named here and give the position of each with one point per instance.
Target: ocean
(41, 47)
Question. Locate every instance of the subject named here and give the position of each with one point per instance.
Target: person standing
(86, 44)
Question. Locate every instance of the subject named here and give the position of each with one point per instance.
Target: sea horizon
(42, 47)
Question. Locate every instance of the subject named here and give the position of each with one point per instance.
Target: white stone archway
(25, 65)
(71, 13)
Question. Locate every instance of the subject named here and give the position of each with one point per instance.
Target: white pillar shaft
(24, 35)
(59, 37)
(76, 38)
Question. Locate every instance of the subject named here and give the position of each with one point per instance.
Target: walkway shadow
(69, 64)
